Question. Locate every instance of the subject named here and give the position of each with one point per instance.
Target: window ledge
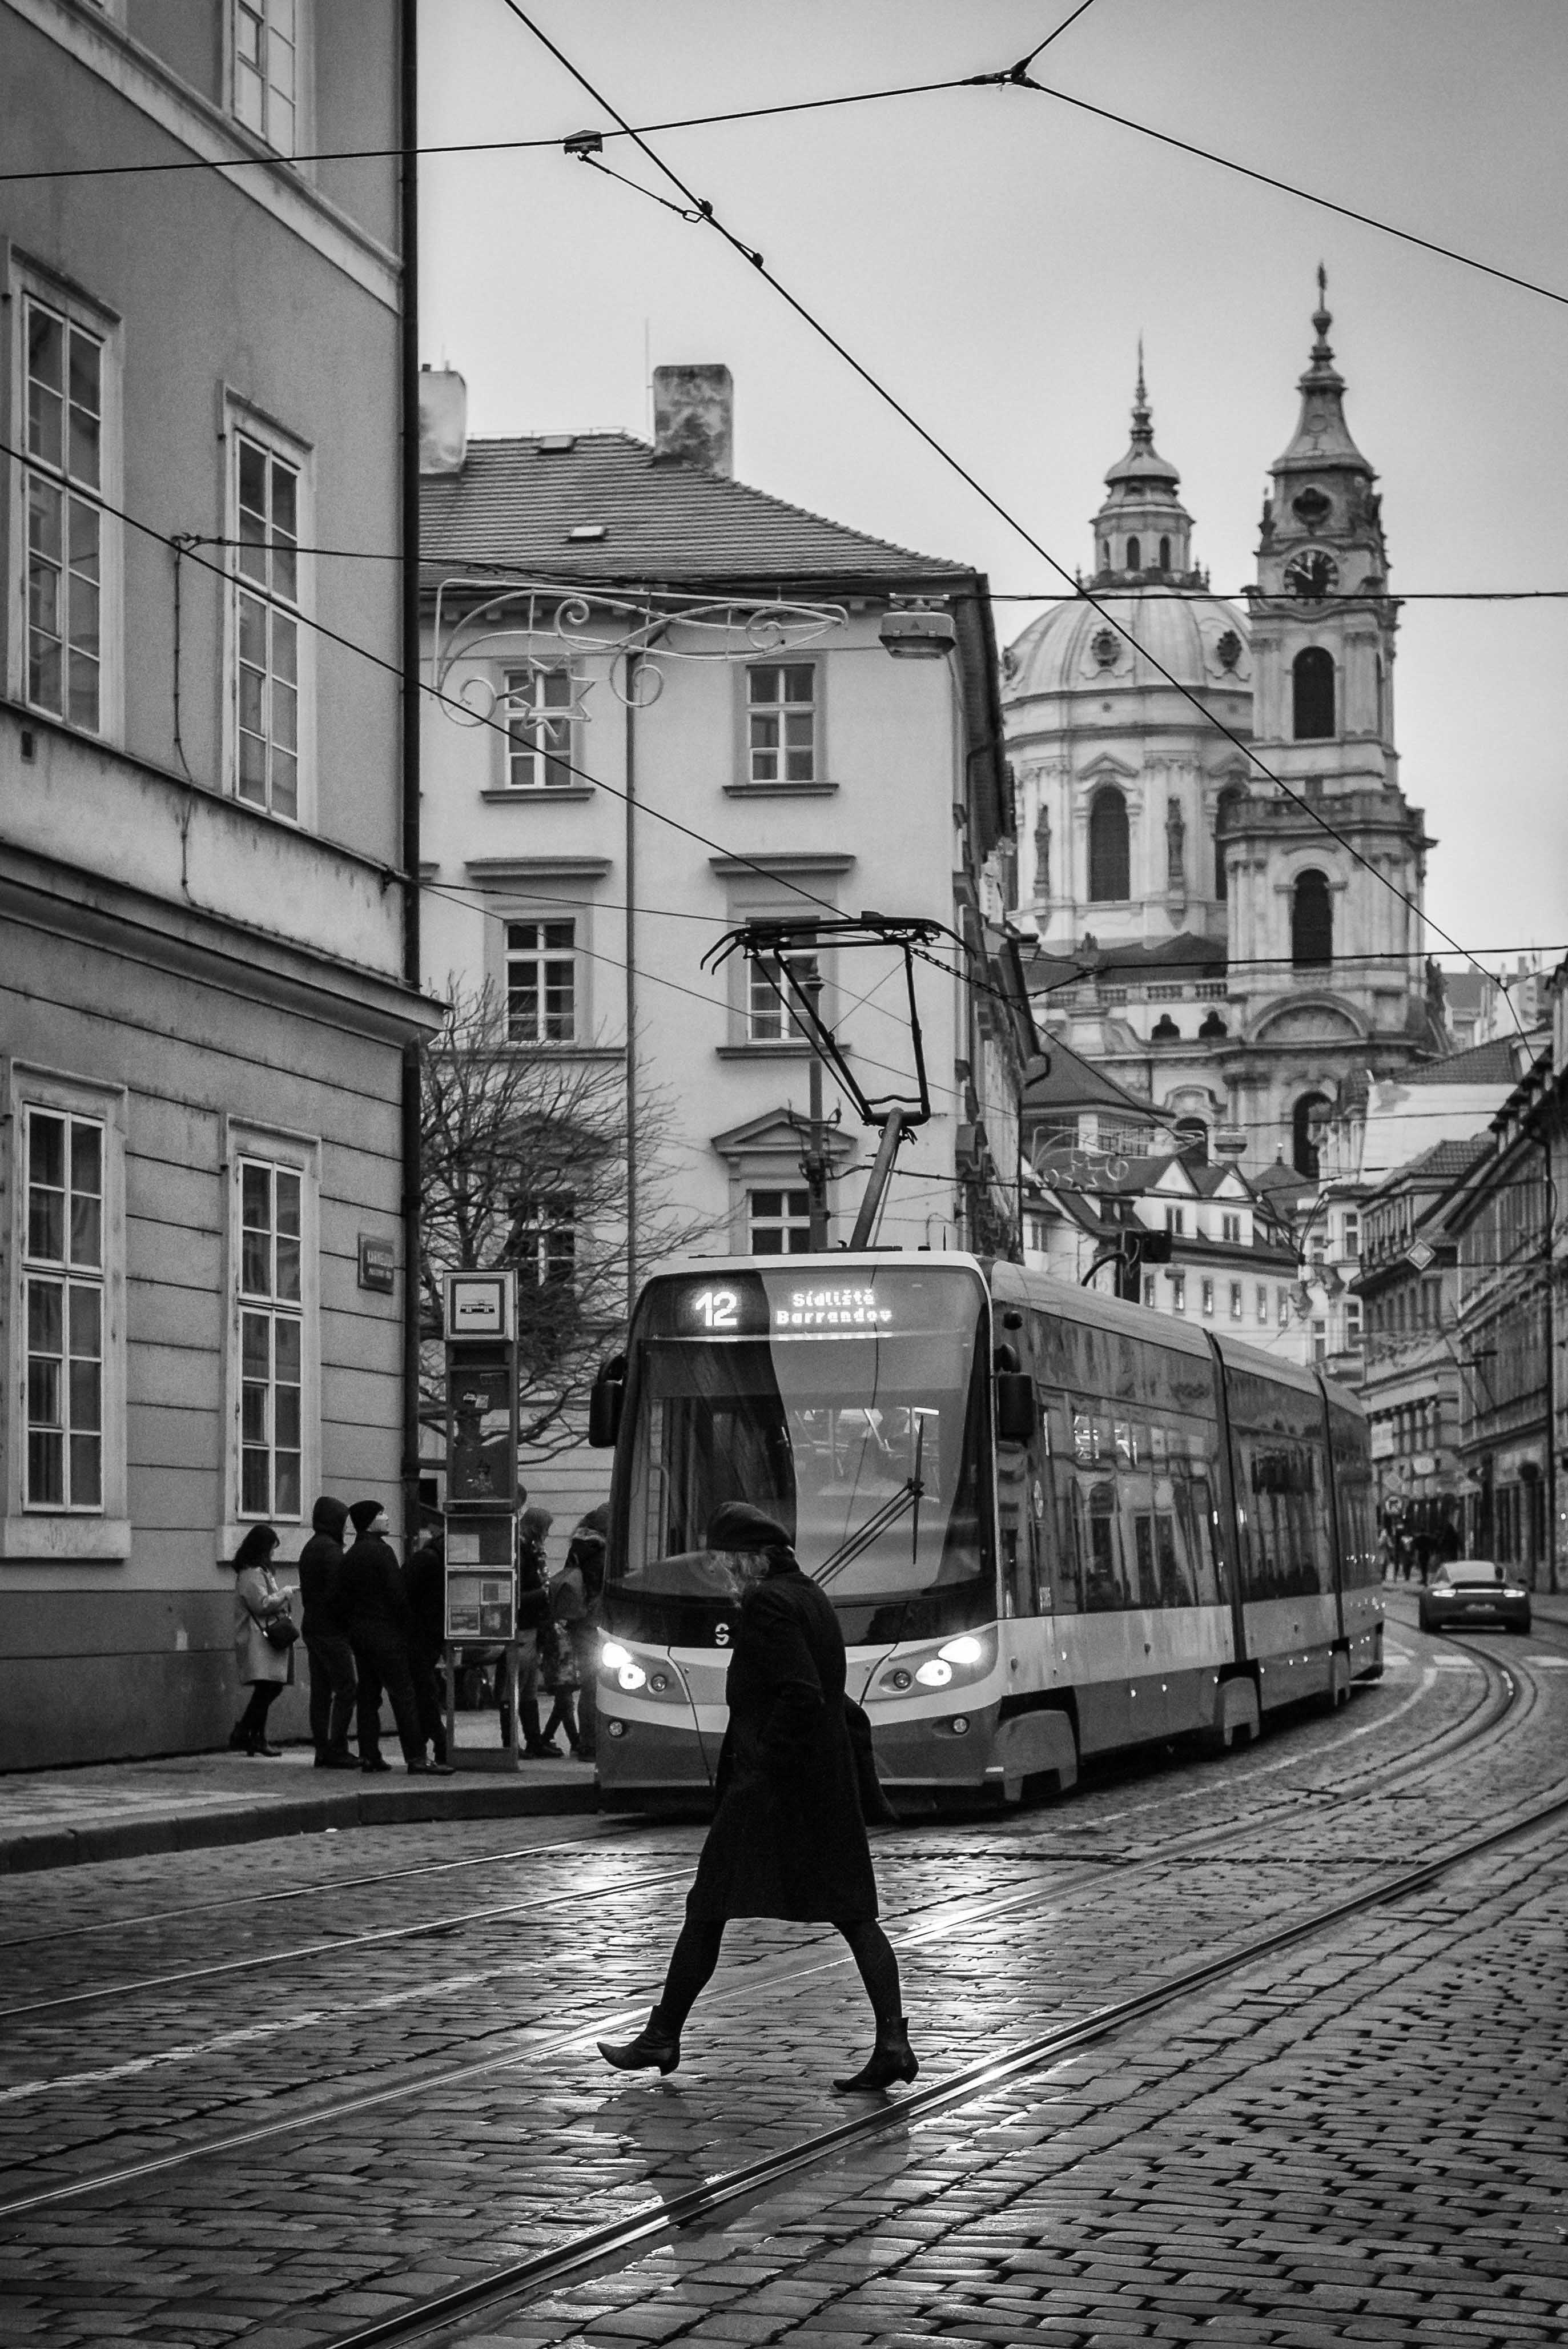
(66, 1537)
(779, 1051)
(779, 790)
(536, 794)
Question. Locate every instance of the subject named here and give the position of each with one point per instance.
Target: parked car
(1474, 1591)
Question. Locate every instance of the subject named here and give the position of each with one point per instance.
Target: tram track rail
(596, 2250)
(1361, 1786)
(911, 1927)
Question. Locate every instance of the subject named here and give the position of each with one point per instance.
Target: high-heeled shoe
(892, 2058)
(653, 2045)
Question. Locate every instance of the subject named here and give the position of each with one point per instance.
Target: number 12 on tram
(1052, 1523)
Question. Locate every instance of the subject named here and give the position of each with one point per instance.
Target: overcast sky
(992, 256)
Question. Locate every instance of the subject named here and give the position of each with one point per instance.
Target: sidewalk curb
(135, 1838)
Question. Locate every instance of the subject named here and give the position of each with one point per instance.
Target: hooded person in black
(325, 1633)
(378, 1626)
(425, 1581)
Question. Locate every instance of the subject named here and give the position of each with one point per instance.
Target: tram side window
(1164, 1579)
(1105, 1589)
(1198, 1513)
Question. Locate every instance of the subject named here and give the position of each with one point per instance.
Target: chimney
(443, 420)
(694, 418)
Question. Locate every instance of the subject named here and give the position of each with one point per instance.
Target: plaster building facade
(207, 955)
(1211, 943)
(685, 716)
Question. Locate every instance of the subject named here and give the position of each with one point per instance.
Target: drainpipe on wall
(408, 209)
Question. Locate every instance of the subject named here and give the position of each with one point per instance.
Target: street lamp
(917, 632)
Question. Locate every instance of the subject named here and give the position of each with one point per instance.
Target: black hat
(363, 1514)
(738, 1525)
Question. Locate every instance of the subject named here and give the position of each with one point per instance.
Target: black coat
(374, 1598)
(320, 1588)
(788, 1840)
(424, 1583)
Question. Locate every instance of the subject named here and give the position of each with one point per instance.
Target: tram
(1052, 1523)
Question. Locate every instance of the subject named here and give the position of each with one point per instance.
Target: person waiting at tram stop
(263, 1648)
(379, 1628)
(324, 1629)
(532, 1626)
(425, 1582)
(574, 1597)
(788, 1836)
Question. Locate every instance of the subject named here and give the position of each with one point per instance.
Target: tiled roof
(1074, 1083)
(1199, 958)
(1479, 1065)
(1445, 1162)
(517, 501)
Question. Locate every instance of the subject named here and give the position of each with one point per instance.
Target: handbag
(280, 1630)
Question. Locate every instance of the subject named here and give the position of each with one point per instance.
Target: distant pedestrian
(324, 1629)
(1449, 1544)
(558, 1678)
(789, 1837)
(425, 1582)
(263, 1646)
(533, 1625)
(378, 1627)
(575, 1595)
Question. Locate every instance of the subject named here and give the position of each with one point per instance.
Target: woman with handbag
(264, 1634)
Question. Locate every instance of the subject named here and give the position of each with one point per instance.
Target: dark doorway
(1311, 1116)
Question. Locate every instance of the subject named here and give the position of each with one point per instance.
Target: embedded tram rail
(1505, 1700)
(1493, 1702)
(593, 2250)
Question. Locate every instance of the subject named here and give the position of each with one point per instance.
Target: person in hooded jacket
(378, 1627)
(425, 1581)
(788, 1836)
(324, 1629)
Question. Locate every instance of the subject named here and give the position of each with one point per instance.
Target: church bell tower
(1327, 970)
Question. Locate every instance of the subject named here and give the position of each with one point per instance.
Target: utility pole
(814, 1165)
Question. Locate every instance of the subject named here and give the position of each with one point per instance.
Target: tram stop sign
(481, 1390)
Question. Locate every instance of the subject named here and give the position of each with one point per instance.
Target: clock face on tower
(1312, 576)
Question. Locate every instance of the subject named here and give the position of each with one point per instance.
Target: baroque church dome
(1143, 575)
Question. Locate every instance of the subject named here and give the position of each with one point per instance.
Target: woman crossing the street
(788, 1836)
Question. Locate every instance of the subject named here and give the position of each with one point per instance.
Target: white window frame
(538, 1218)
(244, 425)
(525, 711)
(30, 1529)
(29, 285)
(1231, 1227)
(1176, 1221)
(1178, 1293)
(769, 1020)
(755, 758)
(299, 141)
(295, 1153)
(1238, 1305)
(1208, 1298)
(542, 955)
(793, 1219)
(1263, 1304)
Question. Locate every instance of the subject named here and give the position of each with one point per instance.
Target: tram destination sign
(742, 1309)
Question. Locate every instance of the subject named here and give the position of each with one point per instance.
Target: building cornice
(144, 81)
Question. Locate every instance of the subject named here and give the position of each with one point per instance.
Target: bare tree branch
(524, 1157)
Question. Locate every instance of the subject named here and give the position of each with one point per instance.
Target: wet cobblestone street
(227, 2115)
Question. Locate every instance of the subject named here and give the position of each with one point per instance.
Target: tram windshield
(852, 1408)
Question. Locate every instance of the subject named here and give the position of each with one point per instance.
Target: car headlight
(1511, 1593)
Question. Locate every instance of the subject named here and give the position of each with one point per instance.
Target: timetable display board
(481, 1577)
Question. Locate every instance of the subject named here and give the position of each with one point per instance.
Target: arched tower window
(1134, 555)
(1311, 923)
(1224, 813)
(1308, 1122)
(1311, 679)
(1165, 555)
(1109, 854)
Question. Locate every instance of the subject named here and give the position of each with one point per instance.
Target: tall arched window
(1310, 1115)
(1311, 676)
(1134, 555)
(1165, 555)
(1224, 813)
(1109, 854)
(1311, 922)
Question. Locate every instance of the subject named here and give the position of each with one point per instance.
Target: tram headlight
(613, 1657)
(631, 1675)
(935, 1673)
(965, 1650)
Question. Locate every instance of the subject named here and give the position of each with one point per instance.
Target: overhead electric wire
(1015, 76)
(707, 217)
